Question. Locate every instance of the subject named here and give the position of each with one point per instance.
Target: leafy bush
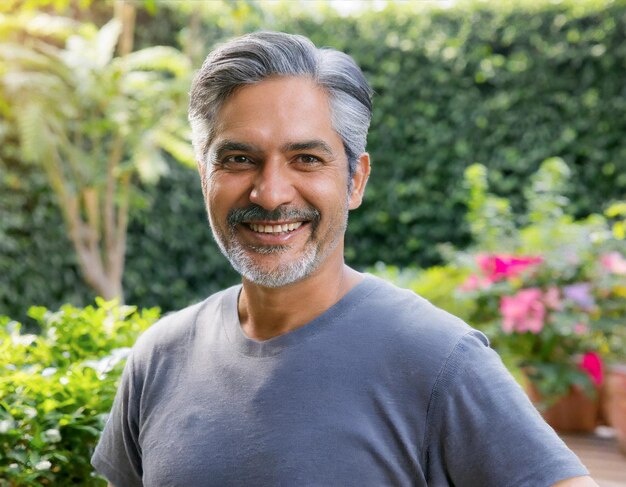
(481, 81)
(57, 388)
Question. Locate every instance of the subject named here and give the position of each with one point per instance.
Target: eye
(237, 159)
(308, 159)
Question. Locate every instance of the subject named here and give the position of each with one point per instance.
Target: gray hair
(252, 58)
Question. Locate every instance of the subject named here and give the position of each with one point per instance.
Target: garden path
(601, 456)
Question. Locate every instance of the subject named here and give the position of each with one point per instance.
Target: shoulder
(177, 329)
(401, 331)
(410, 318)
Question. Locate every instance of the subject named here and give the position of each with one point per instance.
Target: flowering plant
(553, 326)
(549, 292)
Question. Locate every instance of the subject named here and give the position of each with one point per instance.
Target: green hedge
(506, 87)
(57, 388)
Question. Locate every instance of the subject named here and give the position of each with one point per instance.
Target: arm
(117, 456)
(577, 482)
(480, 404)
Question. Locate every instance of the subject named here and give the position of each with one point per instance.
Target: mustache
(257, 213)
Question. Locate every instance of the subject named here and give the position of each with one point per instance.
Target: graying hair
(252, 58)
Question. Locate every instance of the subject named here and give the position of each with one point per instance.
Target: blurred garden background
(498, 191)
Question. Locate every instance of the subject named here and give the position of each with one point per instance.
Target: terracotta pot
(615, 401)
(575, 412)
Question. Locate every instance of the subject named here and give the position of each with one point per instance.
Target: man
(310, 373)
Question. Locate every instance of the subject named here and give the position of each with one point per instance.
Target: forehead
(281, 109)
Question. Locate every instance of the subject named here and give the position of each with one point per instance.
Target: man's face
(276, 182)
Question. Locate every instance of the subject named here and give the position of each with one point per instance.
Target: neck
(269, 312)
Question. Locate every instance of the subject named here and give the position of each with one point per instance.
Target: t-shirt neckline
(256, 348)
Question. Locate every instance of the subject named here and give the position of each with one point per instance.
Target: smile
(278, 228)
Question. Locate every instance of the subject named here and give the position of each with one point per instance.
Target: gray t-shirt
(382, 389)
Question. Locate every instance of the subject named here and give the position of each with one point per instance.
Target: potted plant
(545, 292)
(544, 322)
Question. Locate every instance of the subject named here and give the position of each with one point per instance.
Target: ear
(359, 180)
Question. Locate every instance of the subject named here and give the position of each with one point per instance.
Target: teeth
(286, 227)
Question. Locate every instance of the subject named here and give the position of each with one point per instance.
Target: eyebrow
(308, 145)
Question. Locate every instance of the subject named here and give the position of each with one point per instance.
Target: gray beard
(284, 274)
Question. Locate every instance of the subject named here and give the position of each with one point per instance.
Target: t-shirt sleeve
(483, 430)
(118, 454)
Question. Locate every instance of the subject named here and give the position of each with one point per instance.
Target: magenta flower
(592, 364)
(499, 267)
(614, 263)
(580, 294)
(523, 312)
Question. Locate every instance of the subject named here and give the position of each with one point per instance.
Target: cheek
(332, 195)
(226, 191)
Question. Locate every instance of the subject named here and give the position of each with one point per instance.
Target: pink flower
(474, 282)
(614, 263)
(592, 364)
(499, 267)
(552, 298)
(581, 328)
(523, 312)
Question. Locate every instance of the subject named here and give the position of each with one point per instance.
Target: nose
(273, 186)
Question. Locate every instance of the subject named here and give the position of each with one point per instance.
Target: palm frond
(176, 146)
(13, 54)
(35, 24)
(32, 82)
(158, 58)
(106, 40)
(149, 161)
(32, 131)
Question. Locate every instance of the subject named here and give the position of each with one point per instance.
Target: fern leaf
(149, 161)
(24, 84)
(159, 58)
(16, 55)
(51, 26)
(31, 130)
(106, 40)
(179, 148)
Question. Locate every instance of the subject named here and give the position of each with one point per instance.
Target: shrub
(479, 82)
(58, 387)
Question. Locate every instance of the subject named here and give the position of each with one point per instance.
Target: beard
(242, 257)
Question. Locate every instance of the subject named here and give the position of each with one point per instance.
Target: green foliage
(617, 212)
(36, 264)
(490, 217)
(92, 122)
(509, 86)
(57, 387)
(548, 291)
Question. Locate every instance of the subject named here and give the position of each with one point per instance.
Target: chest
(274, 422)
